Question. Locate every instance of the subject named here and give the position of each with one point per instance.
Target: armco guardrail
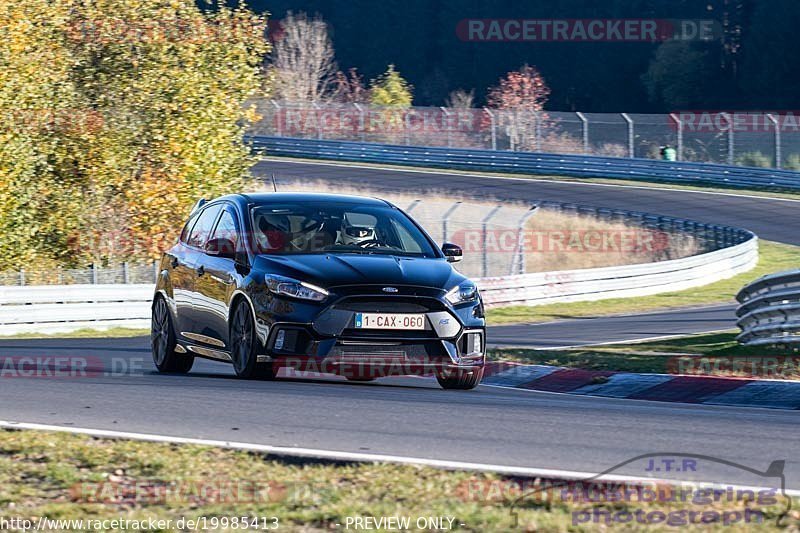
(770, 310)
(581, 166)
(59, 308)
(621, 282)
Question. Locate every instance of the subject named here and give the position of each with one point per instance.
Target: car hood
(353, 269)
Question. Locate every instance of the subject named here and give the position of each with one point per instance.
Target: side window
(226, 228)
(187, 228)
(203, 227)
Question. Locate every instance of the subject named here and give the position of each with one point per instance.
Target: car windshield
(332, 227)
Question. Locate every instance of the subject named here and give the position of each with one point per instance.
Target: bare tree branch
(303, 59)
(460, 99)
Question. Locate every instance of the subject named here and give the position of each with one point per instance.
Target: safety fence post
(778, 147)
(445, 219)
(361, 122)
(494, 127)
(629, 121)
(447, 125)
(520, 252)
(731, 141)
(484, 226)
(679, 126)
(584, 130)
(278, 118)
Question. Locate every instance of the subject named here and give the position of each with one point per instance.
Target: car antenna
(274, 184)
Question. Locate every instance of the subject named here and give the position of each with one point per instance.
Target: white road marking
(357, 456)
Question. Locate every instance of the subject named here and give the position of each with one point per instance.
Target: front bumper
(454, 337)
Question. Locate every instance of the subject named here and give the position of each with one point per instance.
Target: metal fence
(498, 240)
(769, 313)
(91, 275)
(749, 139)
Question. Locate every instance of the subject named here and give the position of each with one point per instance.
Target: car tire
(244, 346)
(163, 342)
(457, 379)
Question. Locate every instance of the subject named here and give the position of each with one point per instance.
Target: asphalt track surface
(614, 329)
(408, 417)
(412, 417)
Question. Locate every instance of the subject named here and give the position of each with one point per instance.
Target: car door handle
(200, 270)
(175, 262)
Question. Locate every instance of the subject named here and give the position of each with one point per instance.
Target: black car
(319, 283)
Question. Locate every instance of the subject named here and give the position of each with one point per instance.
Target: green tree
(678, 75)
(390, 89)
(770, 74)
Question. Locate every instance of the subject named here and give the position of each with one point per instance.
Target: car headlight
(295, 288)
(466, 292)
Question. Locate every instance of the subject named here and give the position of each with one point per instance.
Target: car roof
(302, 197)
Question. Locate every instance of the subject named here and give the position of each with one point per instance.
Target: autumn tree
(144, 108)
(348, 88)
(520, 97)
(38, 136)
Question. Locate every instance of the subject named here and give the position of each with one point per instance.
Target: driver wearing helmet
(355, 235)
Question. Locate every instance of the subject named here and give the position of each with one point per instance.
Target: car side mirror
(221, 247)
(452, 252)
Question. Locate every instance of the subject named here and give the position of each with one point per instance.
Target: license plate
(389, 321)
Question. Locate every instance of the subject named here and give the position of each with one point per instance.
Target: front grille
(390, 304)
(415, 350)
(386, 305)
(378, 355)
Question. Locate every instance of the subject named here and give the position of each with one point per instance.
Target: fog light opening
(280, 339)
(476, 343)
